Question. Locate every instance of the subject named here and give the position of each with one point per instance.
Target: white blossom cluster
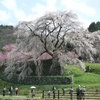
(51, 33)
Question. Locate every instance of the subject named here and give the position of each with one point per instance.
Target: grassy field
(91, 80)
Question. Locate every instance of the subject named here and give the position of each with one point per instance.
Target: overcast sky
(13, 11)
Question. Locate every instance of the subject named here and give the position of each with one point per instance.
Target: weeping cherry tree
(50, 34)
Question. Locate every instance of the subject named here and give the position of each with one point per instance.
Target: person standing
(16, 90)
(71, 93)
(11, 90)
(83, 90)
(4, 91)
(49, 93)
(54, 91)
(78, 93)
(63, 90)
(33, 92)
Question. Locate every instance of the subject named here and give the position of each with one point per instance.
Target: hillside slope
(6, 35)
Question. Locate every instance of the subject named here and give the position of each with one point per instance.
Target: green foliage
(97, 25)
(6, 35)
(95, 67)
(72, 70)
(76, 71)
(66, 69)
(94, 26)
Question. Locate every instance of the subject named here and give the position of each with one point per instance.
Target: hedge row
(39, 80)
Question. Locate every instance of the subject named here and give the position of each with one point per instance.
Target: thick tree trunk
(55, 68)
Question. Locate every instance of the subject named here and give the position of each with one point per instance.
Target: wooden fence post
(58, 94)
(43, 94)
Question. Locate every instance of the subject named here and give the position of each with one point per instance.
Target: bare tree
(48, 33)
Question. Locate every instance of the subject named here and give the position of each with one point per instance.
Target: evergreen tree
(92, 27)
(97, 25)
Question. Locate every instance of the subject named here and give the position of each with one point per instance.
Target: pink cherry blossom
(45, 56)
(9, 47)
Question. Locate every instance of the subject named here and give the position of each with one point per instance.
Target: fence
(60, 95)
(26, 95)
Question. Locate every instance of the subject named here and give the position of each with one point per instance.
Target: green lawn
(91, 80)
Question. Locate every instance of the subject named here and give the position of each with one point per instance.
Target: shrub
(95, 67)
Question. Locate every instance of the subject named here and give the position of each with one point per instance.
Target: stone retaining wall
(40, 80)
